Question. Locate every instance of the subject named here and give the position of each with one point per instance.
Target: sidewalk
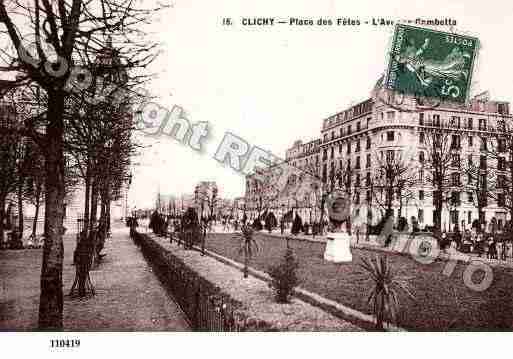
(129, 297)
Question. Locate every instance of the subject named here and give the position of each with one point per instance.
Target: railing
(206, 308)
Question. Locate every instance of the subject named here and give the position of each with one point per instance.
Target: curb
(365, 321)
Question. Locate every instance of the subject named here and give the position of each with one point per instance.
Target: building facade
(354, 140)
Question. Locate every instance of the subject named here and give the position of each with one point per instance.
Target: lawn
(441, 303)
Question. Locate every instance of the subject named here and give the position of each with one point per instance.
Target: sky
(274, 85)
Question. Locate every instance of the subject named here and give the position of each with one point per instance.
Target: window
(332, 152)
(368, 198)
(455, 179)
(482, 124)
(470, 161)
(455, 143)
(357, 198)
(421, 157)
(390, 135)
(501, 163)
(421, 195)
(455, 121)
(390, 155)
(501, 145)
(368, 143)
(340, 148)
(470, 141)
(357, 166)
(470, 125)
(357, 146)
(421, 137)
(341, 132)
(455, 160)
(421, 119)
(325, 137)
(501, 200)
(501, 181)
(436, 120)
(390, 115)
(348, 148)
(470, 197)
(349, 129)
(324, 154)
(358, 126)
(368, 162)
(469, 217)
(482, 162)
(332, 134)
(501, 125)
(349, 165)
(357, 180)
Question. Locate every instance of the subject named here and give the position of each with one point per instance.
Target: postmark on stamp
(431, 63)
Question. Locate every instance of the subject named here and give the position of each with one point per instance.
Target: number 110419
(64, 343)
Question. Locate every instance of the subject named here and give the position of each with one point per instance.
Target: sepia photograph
(340, 171)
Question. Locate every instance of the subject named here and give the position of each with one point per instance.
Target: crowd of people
(486, 244)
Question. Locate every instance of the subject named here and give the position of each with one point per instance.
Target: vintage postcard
(185, 166)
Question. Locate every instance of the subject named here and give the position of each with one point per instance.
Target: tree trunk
(108, 215)
(87, 198)
(321, 217)
(93, 218)
(19, 195)
(246, 263)
(2, 218)
(51, 299)
(36, 214)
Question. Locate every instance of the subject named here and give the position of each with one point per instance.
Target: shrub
(297, 225)
(257, 225)
(270, 222)
(384, 294)
(284, 278)
(402, 224)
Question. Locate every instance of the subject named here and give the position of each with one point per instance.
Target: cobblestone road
(129, 297)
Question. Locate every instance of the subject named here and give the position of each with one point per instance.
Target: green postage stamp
(429, 63)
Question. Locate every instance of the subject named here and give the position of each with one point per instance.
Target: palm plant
(248, 245)
(384, 294)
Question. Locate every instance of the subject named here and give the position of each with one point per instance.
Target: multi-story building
(360, 135)
(268, 190)
(357, 137)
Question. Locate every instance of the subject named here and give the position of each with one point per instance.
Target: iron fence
(206, 308)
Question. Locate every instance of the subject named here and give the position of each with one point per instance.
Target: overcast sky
(273, 85)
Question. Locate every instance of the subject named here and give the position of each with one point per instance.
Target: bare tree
(491, 177)
(10, 153)
(439, 170)
(393, 180)
(75, 29)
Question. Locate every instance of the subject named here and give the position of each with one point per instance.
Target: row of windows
(456, 142)
(349, 130)
(349, 148)
(456, 122)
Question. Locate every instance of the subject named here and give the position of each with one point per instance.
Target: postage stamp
(431, 63)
